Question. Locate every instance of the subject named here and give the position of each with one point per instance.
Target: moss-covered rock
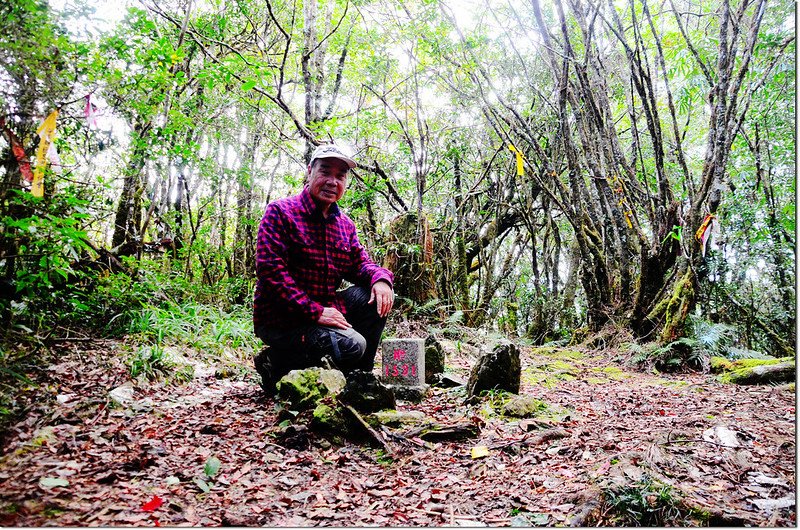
(434, 359)
(396, 418)
(750, 363)
(329, 417)
(524, 407)
(303, 389)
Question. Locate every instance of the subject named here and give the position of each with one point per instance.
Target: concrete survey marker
(404, 362)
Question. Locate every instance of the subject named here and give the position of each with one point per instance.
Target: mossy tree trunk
(460, 290)
(409, 256)
(127, 221)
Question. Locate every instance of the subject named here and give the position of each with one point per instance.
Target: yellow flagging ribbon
(701, 232)
(520, 160)
(47, 133)
(704, 232)
(628, 215)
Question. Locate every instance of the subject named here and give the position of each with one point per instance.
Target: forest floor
(680, 449)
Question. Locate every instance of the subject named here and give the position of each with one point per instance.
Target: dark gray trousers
(349, 349)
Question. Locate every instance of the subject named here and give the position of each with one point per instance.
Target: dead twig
(371, 433)
(534, 438)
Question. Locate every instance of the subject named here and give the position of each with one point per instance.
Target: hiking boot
(264, 368)
(327, 362)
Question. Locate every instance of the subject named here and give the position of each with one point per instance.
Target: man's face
(327, 180)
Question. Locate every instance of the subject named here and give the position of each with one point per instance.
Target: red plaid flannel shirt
(301, 260)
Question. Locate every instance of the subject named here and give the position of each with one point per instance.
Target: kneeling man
(306, 247)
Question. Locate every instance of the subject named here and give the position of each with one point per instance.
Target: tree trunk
(244, 250)
(410, 258)
(127, 221)
(461, 278)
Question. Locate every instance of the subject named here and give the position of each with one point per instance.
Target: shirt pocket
(341, 256)
(305, 253)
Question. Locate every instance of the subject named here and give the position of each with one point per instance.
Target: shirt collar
(312, 209)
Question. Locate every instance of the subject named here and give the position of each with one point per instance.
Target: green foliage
(704, 341)
(51, 244)
(212, 466)
(227, 106)
(153, 362)
(13, 381)
(50, 240)
(202, 327)
(420, 310)
(210, 469)
(645, 503)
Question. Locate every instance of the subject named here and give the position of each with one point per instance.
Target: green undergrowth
(154, 362)
(170, 338)
(647, 502)
(706, 346)
(15, 381)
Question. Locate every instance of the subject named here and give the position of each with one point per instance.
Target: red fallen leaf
(154, 504)
(603, 468)
(156, 522)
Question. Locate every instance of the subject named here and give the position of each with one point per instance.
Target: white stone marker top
(404, 362)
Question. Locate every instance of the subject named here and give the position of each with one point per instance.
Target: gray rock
(524, 407)
(366, 393)
(449, 381)
(415, 394)
(122, 395)
(304, 388)
(434, 359)
(499, 369)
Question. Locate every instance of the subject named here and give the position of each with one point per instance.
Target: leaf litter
(206, 453)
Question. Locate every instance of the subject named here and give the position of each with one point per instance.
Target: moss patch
(557, 353)
(749, 363)
(720, 364)
(329, 418)
(524, 407)
(675, 384)
(615, 373)
(545, 378)
(744, 370)
(551, 366)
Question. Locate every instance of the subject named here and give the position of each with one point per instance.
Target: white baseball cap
(332, 151)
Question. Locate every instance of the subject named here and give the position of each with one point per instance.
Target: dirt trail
(76, 459)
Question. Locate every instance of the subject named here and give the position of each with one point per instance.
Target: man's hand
(383, 295)
(333, 318)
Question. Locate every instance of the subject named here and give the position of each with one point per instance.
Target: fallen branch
(536, 438)
(438, 433)
(372, 434)
(401, 438)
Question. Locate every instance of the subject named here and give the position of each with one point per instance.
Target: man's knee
(349, 345)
